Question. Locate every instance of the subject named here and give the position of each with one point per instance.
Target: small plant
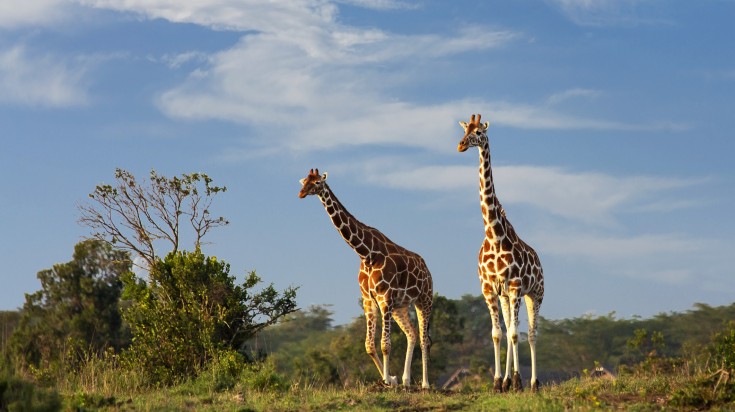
(717, 386)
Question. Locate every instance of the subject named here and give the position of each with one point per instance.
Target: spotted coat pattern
(391, 279)
(509, 269)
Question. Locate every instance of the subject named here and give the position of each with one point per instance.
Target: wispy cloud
(243, 15)
(175, 61)
(575, 93)
(380, 4)
(606, 12)
(296, 60)
(40, 80)
(14, 14)
(646, 257)
(589, 198)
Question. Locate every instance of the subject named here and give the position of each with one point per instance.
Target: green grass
(103, 387)
(648, 393)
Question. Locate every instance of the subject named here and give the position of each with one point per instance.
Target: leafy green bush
(723, 349)
(717, 386)
(75, 312)
(19, 395)
(190, 311)
(262, 376)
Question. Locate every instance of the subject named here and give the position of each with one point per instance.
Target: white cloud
(14, 14)
(268, 16)
(44, 80)
(380, 4)
(605, 12)
(670, 258)
(573, 94)
(297, 61)
(589, 198)
(177, 60)
(327, 85)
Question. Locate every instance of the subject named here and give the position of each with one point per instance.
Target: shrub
(19, 395)
(189, 311)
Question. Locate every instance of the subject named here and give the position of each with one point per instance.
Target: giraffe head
(312, 184)
(474, 133)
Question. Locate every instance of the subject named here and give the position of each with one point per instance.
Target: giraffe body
(509, 269)
(391, 279)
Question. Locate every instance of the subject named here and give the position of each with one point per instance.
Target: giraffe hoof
(535, 385)
(506, 385)
(517, 382)
(498, 385)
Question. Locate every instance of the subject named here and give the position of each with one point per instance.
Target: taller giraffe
(508, 267)
(391, 279)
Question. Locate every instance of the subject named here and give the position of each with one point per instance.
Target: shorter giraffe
(391, 279)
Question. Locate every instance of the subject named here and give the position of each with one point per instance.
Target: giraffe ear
(463, 124)
(486, 125)
(302, 181)
(324, 176)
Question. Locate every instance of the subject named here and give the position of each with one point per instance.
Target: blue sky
(611, 135)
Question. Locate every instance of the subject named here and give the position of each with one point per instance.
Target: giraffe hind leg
(423, 314)
(400, 315)
(532, 307)
(515, 302)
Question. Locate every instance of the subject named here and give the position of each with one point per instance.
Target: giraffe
(509, 269)
(391, 279)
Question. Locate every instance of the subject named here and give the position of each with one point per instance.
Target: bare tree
(135, 217)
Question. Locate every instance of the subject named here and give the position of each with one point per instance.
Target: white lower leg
(407, 364)
(497, 336)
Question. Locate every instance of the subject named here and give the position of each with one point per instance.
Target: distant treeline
(307, 346)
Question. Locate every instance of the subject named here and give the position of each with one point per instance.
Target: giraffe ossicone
(391, 279)
(509, 269)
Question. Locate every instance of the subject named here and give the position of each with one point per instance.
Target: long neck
(355, 233)
(495, 223)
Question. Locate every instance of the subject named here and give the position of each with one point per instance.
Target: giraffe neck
(495, 222)
(358, 235)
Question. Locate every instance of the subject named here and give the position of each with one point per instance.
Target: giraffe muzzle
(461, 147)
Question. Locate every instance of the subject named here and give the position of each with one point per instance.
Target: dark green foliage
(81, 401)
(722, 349)
(75, 312)
(318, 366)
(717, 385)
(19, 395)
(306, 347)
(191, 311)
(446, 332)
(8, 322)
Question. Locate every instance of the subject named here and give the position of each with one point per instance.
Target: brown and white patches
(508, 268)
(391, 279)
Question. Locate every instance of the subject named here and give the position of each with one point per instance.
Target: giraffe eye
(478, 133)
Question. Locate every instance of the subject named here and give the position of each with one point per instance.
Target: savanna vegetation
(183, 334)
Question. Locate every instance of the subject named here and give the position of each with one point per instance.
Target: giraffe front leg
(385, 346)
(371, 318)
(491, 299)
(505, 306)
(515, 303)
